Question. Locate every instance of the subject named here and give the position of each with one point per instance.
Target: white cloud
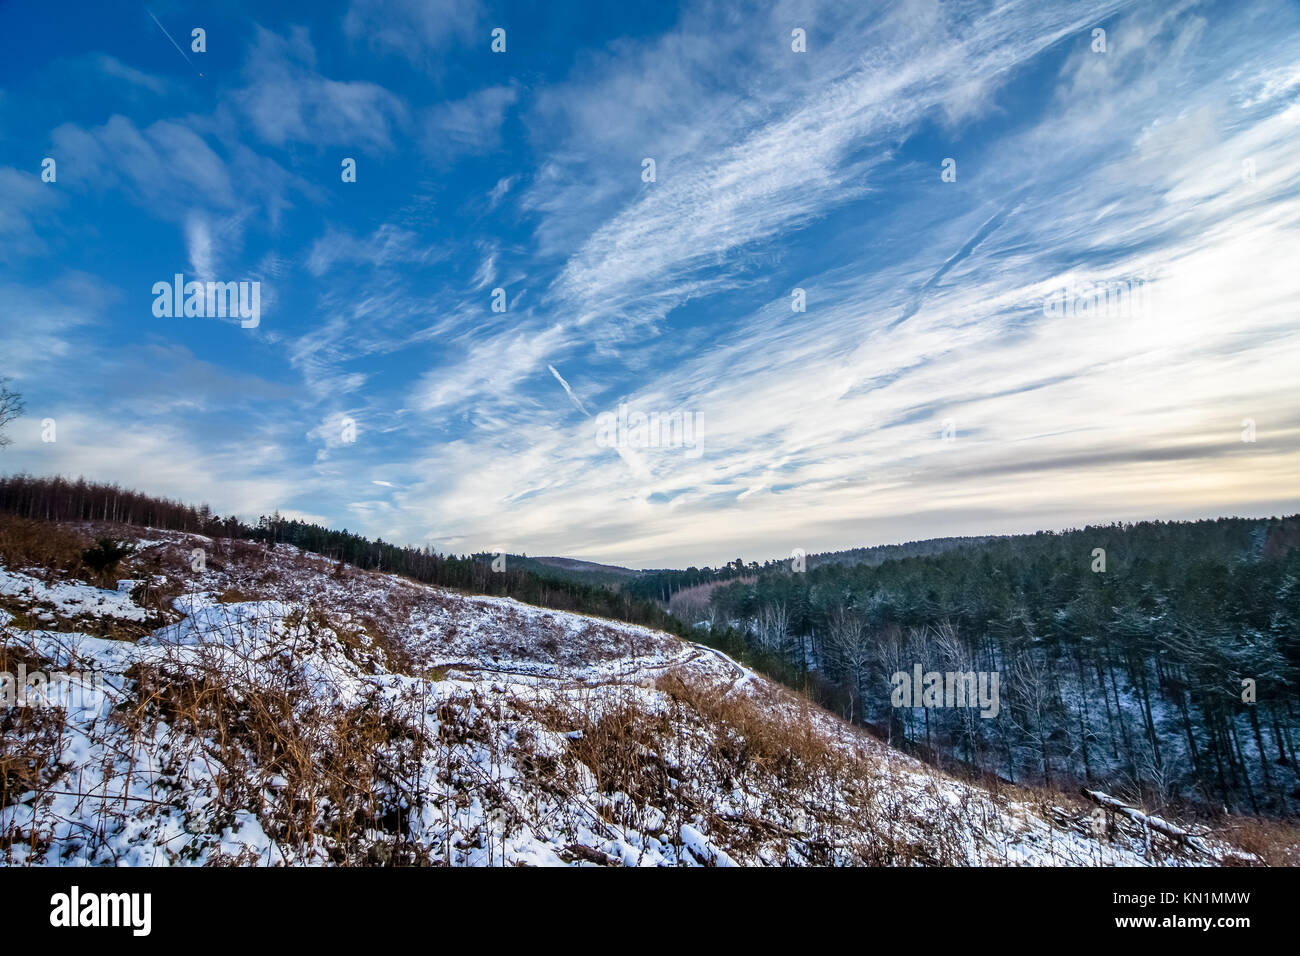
(415, 29)
(198, 238)
(925, 299)
(25, 197)
(287, 100)
(111, 66)
(162, 165)
(498, 192)
(827, 425)
(387, 247)
(468, 126)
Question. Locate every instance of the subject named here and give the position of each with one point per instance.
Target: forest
(1156, 658)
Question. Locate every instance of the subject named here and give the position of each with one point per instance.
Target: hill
(237, 702)
(578, 571)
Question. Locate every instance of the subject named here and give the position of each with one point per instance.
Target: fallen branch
(1158, 824)
(591, 855)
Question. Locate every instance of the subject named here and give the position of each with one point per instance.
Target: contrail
(982, 233)
(573, 398)
(174, 43)
(630, 456)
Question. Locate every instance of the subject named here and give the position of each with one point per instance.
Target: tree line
(62, 499)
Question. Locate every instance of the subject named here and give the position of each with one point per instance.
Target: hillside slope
(275, 708)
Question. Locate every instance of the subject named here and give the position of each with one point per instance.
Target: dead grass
(30, 738)
(1274, 842)
(41, 544)
(811, 799)
(313, 775)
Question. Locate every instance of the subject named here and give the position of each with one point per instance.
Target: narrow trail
(635, 673)
(738, 673)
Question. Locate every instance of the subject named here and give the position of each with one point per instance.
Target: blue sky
(924, 391)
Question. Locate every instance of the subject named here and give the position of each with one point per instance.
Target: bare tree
(1154, 781)
(690, 605)
(11, 407)
(773, 627)
(956, 656)
(894, 653)
(851, 647)
(1032, 717)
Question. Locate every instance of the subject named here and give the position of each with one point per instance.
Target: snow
(71, 598)
(478, 712)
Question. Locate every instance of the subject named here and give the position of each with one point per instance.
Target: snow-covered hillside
(274, 708)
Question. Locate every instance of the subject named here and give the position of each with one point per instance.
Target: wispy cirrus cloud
(469, 126)
(1165, 161)
(418, 30)
(1095, 404)
(387, 247)
(287, 101)
(162, 165)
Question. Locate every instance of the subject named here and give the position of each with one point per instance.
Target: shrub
(107, 554)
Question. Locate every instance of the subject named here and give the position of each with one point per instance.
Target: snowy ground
(272, 710)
